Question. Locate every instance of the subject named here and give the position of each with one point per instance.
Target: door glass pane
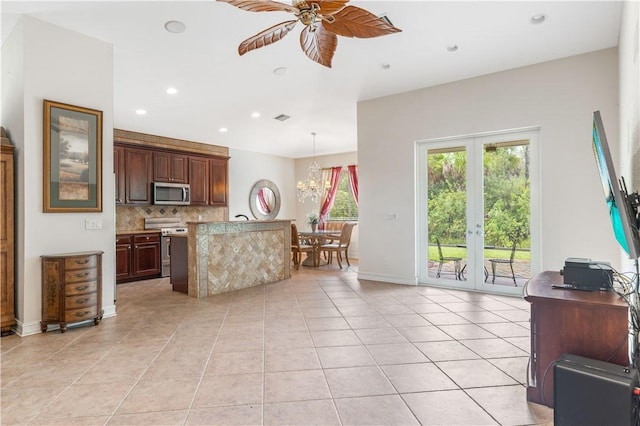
(447, 213)
(507, 213)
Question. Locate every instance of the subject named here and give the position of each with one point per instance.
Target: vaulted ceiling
(217, 88)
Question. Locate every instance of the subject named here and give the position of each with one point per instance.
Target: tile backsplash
(132, 218)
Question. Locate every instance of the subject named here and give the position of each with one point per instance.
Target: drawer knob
(82, 287)
(82, 314)
(82, 262)
(81, 301)
(82, 274)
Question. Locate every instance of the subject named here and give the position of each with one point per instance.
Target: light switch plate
(91, 224)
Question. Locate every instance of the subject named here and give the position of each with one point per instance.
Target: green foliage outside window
(506, 197)
(344, 206)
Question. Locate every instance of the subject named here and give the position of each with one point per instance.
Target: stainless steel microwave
(172, 194)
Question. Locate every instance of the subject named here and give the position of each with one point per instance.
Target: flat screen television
(622, 206)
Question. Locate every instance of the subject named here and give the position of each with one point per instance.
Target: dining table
(316, 239)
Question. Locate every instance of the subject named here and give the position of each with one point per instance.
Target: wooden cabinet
(170, 167)
(199, 181)
(138, 176)
(137, 166)
(592, 324)
(180, 263)
(71, 289)
(208, 177)
(7, 248)
(218, 182)
(124, 244)
(119, 171)
(137, 256)
(146, 255)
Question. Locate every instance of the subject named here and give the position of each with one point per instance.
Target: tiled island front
(226, 256)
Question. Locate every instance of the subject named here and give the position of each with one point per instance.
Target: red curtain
(264, 203)
(327, 201)
(353, 180)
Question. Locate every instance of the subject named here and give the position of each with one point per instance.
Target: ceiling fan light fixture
(175, 27)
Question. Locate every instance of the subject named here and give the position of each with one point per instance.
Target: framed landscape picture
(72, 158)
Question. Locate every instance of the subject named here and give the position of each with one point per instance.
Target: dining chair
(298, 247)
(339, 246)
(335, 226)
(444, 259)
(509, 261)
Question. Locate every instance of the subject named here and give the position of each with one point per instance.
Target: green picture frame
(72, 158)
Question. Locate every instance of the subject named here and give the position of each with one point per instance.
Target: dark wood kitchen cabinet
(170, 167)
(119, 171)
(137, 256)
(124, 244)
(138, 176)
(208, 177)
(218, 182)
(133, 169)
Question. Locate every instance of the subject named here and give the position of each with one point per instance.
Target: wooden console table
(589, 324)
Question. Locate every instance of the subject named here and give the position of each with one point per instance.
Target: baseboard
(109, 311)
(27, 329)
(388, 278)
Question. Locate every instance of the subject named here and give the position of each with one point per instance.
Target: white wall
(63, 66)
(558, 96)
(246, 168)
(302, 171)
(629, 53)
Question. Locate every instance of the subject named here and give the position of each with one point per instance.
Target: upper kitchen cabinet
(140, 159)
(218, 181)
(118, 170)
(170, 167)
(208, 178)
(138, 176)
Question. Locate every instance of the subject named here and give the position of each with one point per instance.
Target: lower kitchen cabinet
(71, 289)
(137, 256)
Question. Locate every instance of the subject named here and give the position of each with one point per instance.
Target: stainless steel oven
(167, 226)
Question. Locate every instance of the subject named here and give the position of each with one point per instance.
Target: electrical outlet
(92, 224)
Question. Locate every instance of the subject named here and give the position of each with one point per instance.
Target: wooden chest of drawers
(71, 289)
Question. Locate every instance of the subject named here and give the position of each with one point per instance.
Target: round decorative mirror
(264, 200)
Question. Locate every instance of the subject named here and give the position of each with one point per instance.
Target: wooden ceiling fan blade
(319, 45)
(261, 6)
(353, 21)
(329, 7)
(266, 37)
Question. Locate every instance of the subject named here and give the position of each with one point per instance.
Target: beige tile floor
(320, 348)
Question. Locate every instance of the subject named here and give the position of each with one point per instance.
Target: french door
(477, 211)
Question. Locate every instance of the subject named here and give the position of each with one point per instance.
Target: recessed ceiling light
(255, 114)
(172, 90)
(280, 71)
(175, 27)
(538, 19)
(452, 48)
(141, 111)
(223, 129)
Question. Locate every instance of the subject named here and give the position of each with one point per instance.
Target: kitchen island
(226, 256)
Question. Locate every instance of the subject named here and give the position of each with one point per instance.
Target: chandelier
(312, 187)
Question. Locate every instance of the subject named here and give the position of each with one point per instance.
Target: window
(344, 206)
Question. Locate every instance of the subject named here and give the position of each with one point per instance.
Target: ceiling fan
(324, 20)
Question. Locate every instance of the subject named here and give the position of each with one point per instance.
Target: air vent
(282, 117)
